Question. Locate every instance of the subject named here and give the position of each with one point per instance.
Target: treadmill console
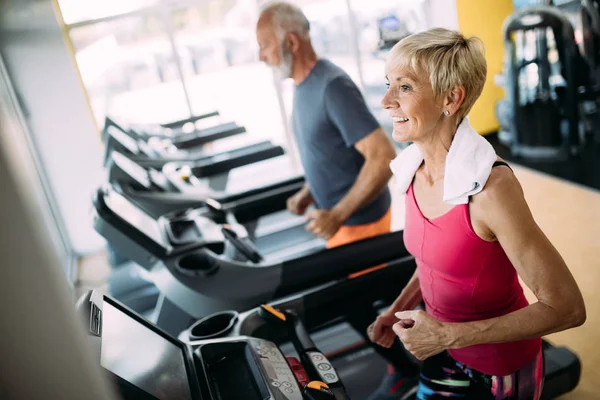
(276, 367)
(183, 179)
(126, 141)
(125, 170)
(128, 171)
(247, 368)
(193, 228)
(147, 363)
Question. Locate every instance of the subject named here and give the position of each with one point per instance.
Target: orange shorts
(349, 234)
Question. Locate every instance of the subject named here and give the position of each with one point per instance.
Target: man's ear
(292, 42)
(454, 99)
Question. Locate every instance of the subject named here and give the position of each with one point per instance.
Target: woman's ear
(454, 100)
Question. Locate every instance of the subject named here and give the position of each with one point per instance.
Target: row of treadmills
(220, 293)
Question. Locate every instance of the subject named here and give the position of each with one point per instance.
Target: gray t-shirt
(329, 116)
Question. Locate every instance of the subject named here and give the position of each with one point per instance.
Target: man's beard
(284, 69)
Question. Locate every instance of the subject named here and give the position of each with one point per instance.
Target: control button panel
(323, 367)
(279, 374)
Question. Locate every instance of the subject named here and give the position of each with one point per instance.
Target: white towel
(468, 165)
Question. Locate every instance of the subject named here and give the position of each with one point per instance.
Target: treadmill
(157, 195)
(156, 153)
(183, 134)
(183, 186)
(264, 353)
(203, 260)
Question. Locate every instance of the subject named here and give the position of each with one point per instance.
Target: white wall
(45, 80)
(442, 14)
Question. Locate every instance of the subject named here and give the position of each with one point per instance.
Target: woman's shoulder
(502, 181)
(501, 197)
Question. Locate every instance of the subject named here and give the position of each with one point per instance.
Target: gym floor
(569, 214)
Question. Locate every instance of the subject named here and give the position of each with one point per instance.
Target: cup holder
(197, 264)
(213, 326)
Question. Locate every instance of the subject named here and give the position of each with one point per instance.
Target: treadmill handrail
(235, 158)
(237, 196)
(289, 276)
(258, 205)
(133, 232)
(202, 158)
(322, 304)
(178, 123)
(341, 261)
(201, 137)
(247, 200)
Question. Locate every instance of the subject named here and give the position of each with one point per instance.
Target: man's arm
(372, 179)
(374, 175)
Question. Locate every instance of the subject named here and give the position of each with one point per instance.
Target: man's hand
(298, 203)
(324, 223)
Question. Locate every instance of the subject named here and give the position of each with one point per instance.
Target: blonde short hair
(448, 58)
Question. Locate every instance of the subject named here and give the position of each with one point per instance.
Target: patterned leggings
(442, 377)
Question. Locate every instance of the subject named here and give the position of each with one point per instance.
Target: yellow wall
(484, 18)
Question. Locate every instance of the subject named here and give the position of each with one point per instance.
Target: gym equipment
(103, 315)
(189, 132)
(585, 18)
(205, 260)
(391, 30)
(542, 113)
(548, 86)
(131, 285)
(590, 19)
(590, 23)
(187, 126)
(157, 153)
(182, 186)
(157, 195)
(229, 355)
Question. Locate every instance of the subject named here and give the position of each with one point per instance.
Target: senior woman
(472, 235)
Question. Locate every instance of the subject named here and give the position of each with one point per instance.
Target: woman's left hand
(425, 336)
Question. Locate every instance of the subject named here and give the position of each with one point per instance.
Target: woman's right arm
(409, 298)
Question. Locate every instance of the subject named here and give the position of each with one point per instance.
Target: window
(222, 70)
(74, 11)
(155, 61)
(380, 25)
(128, 68)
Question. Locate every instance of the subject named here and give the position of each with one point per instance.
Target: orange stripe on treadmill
(273, 311)
(366, 271)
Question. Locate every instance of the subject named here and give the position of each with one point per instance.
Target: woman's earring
(447, 113)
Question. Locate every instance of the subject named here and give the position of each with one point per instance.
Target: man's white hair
(287, 18)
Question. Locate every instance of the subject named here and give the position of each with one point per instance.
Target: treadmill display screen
(135, 217)
(143, 357)
(390, 23)
(132, 169)
(125, 140)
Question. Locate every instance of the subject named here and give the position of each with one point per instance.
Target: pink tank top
(464, 278)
